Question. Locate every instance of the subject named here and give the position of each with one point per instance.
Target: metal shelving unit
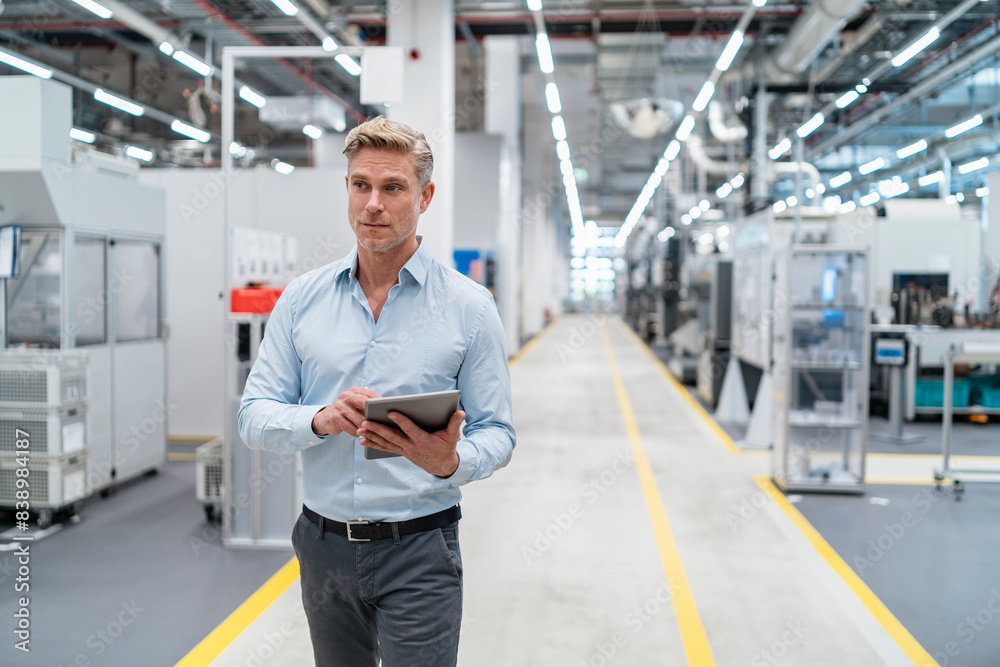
(821, 368)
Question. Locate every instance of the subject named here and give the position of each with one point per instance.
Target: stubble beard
(385, 245)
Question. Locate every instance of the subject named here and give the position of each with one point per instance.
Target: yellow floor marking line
(699, 653)
(910, 646)
(695, 405)
(237, 622)
(533, 343)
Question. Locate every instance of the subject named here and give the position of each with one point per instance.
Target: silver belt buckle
(351, 538)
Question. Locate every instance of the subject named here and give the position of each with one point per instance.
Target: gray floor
(939, 573)
(139, 581)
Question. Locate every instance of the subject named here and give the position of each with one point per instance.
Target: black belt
(363, 531)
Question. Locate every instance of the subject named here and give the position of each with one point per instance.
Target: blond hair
(389, 135)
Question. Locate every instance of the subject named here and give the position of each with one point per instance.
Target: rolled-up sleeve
(484, 379)
(270, 416)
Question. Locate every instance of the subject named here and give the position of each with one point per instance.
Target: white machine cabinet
(821, 366)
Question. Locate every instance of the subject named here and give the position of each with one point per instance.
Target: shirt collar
(417, 266)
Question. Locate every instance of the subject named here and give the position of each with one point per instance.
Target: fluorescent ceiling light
(722, 232)
(737, 181)
(975, 165)
(861, 88)
(552, 97)
(118, 102)
(673, 150)
(253, 97)
(780, 149)
(724, 191)
(729, 53)
(759, 3)
(893, 187)
(237, 149)
(190, 131)
(558, 128)
(312, 131)
(847, 207)
(287, 8)
(562, 150)
(930, 179)
(82, 135)
(686, 219)
(704, 204)
(662, 166)
(666, 234)
(810, 193)
(704, 96)
(913, 49)
(847, 99)
(24, 65)
(535, 5)
(840, 179)
(811, 125)
(912, 149)
(283, 168)
(348, 63)
(964, 126)
(779, 206)
(544, 53)
(869, 167)
(566, 167)
(167, 48)
(792, 201)
(686, 126)
(139, 153)
(95, 8)
(951, 199)
(820, 189)
(982, 192)
(329, 43)
(870, 198)
(186, 59)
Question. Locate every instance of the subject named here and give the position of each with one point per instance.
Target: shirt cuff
(302, 430)
(466, 463)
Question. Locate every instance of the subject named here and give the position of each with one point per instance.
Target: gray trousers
(398, 600)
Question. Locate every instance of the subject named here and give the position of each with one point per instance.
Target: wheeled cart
(963, 353)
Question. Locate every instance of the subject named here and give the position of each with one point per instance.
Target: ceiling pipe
(142, 25)
(698, 155)
(778, 169)
(868, 29)
(727, 134)
(810, 34)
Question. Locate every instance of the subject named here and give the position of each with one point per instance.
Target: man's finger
(405, 423)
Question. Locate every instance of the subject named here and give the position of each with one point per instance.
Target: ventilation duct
(727, 134)
(811, 32)
(645, 118)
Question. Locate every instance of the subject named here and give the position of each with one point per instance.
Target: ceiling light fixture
(729, 53)
(975, 165)
(870, 198)
(811, 125)
(737, 181)
(562, 150)
(869, 167)
(685, 128)
(139, 153)
(189, 61)
(82, 135)
(349, 64)
(672, 150)
(283, 168)
(95, 8)
(779, 207)
(118, 102)
(25, 66)
(724, 191)
(286, 7)
(535, 5)
(847, 99)
(964, 126)
(840, 180)
(930, 179)
(913, 49)
(912, 149)
(253, 97)
(167, 48)
(704, 96)
(544, 53)
(312, 131)
(847, 207)
(780, 149)
(329, 43)
(190, 131)
(558, 128)
(552, 97)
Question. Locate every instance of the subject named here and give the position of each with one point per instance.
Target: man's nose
(374, 202)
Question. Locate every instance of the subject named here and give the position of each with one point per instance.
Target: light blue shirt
(437, 331)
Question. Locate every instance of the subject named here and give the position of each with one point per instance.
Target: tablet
(431, 412)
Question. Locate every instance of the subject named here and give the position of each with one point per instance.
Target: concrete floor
(621, 507)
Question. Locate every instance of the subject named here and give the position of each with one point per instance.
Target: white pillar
(425, 29)
(503, 117)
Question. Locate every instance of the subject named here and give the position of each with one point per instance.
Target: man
(388, 319)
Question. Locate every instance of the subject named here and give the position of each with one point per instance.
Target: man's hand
(345, 415)
(434, 452)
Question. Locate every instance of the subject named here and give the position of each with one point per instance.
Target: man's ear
(426, 196)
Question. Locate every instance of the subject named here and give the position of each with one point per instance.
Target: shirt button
(373, 343)
(360, 480)
(311, 442)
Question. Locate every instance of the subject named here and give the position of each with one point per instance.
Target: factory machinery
(89, 293)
